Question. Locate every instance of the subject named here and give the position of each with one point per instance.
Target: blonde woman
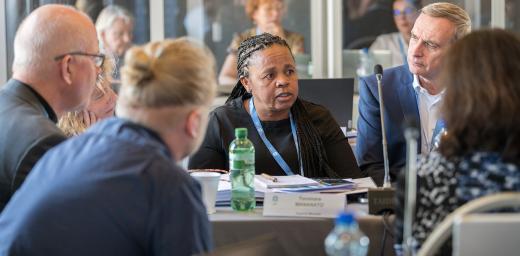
(102, 104)
(116, 189)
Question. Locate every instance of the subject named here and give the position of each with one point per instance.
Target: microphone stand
(381, 200)
(411, 134)
(386, 180)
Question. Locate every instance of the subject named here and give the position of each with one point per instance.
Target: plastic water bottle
(346, 239)
(242, 171)
(365, 63)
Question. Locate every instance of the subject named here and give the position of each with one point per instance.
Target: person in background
(480, 153)
(410, 92)
(102, 105)
(305, 137)
(405, 14)
(115, 26)
(117, 189)
(267, 17)
(56, 62)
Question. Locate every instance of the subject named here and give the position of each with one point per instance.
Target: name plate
(303, 204)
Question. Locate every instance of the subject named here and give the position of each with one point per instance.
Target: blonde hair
(169, 73)
(72, 123)
(453, 13)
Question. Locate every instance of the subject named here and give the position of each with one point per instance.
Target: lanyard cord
(277, 157)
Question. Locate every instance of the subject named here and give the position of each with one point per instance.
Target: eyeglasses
(407, 11)
(99, 59)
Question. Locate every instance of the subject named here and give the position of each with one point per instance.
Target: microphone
(411, 134)
(381, 200)
(378, 71)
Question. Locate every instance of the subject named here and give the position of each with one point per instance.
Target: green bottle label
(240, 161)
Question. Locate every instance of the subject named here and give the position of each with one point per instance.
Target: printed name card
(303, 204)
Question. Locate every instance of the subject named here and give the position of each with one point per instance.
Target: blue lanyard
(277, 157)
(401, 47)
(440, 129)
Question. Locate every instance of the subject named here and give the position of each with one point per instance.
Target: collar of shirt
(421, 91)
(49, 111)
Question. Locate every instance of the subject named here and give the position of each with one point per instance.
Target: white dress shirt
(428, 106)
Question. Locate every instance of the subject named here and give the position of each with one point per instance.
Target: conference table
(291, 235)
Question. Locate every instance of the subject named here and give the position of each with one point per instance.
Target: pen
(269, 177)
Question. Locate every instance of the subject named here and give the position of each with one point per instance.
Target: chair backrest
(335, 94)
(483, 204)
(486, 234)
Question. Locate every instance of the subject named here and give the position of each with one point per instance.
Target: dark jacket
(27, 130)
(400, 105)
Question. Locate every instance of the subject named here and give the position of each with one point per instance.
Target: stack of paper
(353, 186)
(290, 184)
(290, 181)
(224, 191)
(322, 188)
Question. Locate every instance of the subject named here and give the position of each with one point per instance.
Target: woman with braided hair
(291, 136)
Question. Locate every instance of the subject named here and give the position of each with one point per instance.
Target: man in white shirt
(410, 91)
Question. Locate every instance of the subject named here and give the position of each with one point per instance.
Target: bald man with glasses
(56, 63)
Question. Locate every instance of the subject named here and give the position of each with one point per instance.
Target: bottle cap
(345, 218)
(241, 132)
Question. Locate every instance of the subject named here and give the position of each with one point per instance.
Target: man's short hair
(453, 13)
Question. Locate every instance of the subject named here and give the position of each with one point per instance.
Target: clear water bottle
(366, 64)
(346, 239)
(242, 171)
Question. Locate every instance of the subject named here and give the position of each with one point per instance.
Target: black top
(28, 131)
(213, 152)
(444, 185)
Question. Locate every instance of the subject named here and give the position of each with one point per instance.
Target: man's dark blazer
(26, 133)
(400, 104)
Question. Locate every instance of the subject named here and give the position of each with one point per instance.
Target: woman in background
(267, 17)
(101, 105)
(480, 153)
(305, 138)
(405, 14)
(115, 26)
